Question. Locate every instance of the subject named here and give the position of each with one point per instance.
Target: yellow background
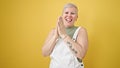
(24, 25)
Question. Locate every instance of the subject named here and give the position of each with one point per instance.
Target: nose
(69, 15)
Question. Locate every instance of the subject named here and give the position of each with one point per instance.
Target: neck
(70, 30)
(70, 27)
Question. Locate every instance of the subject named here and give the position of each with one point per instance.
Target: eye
(66, 12)
(72, 13)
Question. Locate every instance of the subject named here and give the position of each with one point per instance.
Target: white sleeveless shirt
(62, 57)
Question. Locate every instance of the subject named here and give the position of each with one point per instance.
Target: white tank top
(62, 57)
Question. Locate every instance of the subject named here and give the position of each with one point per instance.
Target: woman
(66, 44)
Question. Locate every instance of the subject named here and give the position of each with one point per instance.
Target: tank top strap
(76, 34)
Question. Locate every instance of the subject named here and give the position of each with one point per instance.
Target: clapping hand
(61, 28)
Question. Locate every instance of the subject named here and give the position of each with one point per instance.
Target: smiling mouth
(68, 20)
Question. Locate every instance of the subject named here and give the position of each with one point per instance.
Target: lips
(68, 20)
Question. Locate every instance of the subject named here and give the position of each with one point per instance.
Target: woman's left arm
(79, 48)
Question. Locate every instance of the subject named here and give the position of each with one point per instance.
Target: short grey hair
(70, 5)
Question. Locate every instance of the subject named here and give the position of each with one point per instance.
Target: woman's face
(69, 16)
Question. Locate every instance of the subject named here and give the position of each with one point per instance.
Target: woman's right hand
(61, 28)
(56, 34)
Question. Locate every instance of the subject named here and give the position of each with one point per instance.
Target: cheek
(75, 18)
(64, 16)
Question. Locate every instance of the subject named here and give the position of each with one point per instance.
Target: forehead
(71, 9)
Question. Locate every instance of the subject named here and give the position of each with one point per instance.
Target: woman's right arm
(50, 43)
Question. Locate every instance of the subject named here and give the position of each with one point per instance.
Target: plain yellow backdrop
(24, 25)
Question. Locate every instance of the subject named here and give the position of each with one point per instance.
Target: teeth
(68, 20)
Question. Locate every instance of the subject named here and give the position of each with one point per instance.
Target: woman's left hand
(61, 28)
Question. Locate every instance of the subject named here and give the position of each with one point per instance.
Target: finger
(61, 21)
(58, 29)
(58, 22)
(58, 26)
(60, 18)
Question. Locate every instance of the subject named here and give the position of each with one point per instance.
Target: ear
(76, 18)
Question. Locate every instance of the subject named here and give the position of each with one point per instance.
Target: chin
(68, 24)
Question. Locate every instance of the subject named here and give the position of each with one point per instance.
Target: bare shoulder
(83, 30)
(82, 36)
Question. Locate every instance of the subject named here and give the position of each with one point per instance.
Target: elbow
(81, 55)
(44, 53)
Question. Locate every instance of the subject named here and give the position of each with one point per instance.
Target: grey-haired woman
(66, 44)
